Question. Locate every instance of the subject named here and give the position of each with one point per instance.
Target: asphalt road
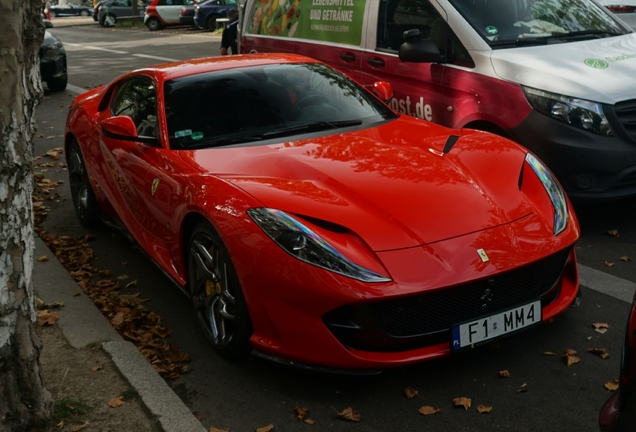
(243, 397)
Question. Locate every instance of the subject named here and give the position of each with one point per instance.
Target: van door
(416, 86)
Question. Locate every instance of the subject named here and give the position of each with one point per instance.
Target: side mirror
(383, 90)
(120, 127)
(418, 50)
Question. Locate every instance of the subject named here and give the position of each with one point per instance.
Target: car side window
(137, 98)
(397, 16)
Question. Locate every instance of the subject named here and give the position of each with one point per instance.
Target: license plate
(484, 329)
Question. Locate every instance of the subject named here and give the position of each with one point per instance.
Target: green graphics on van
(324, 20)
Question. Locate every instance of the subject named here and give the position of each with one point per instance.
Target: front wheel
(153, 24)
(84, 13)
(211, 23)
(84, 201)
(52, 14)
(217, 295)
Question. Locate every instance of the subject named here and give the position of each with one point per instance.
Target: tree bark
(25, 404)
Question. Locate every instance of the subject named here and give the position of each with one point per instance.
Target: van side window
(397, 16)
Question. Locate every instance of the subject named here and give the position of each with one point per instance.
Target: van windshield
(508, 23)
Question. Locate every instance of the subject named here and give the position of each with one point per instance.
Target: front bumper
(590, 167)
(291, 302)
(52, 64)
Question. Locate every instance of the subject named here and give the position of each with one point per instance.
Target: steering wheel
(311, 99)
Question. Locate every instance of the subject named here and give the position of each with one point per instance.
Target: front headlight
(581, 113)
(554, 191)
(56, 45)
(304, 244)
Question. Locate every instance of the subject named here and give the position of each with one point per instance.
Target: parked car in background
(186, 17)
(312, 224)
(624, 10)
(111, 9)
(70, 9)
(96, 10)
(619, 412)
(53, 63)
(206, 13)
(162, 13)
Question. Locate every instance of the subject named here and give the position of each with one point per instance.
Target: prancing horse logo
(155, 185)
(483, 255)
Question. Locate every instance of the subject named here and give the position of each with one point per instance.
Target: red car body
(619, 412)
(405, 205)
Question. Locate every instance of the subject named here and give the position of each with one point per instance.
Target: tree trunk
(25, 404)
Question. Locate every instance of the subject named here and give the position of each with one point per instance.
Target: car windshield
(509, 23)
(264, 102)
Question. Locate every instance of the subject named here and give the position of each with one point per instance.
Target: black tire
(217, 295)
(108, 20)
(84, 13)
(57, 84)
(52, 14)
(211, 22)
(153, 24)
(84, 202)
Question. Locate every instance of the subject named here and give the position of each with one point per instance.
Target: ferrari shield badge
(483, 255)
(155, 184)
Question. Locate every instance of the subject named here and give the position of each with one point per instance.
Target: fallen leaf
(570, 357)
(300, 412)
(504, 374)
(60, 425)
(613, 233)
(80, 427)
(463, 401)
(122, 277)
(96, 368)
(47, 318)
(612, 385)
(600, 327)
(410, 392)
(349, 414)
(609, 264)
(602, 352)
(265, 428)
(132, 284)
(77, 294)
(309, 421)
(213, 429)
(484, 409)
(116, 402)
(548, 353)
(625, 259)
(43, 258)
(428, 410)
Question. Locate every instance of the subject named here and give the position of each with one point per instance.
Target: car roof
(168, 71)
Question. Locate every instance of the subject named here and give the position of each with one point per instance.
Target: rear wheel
(216, 294)
(84, 202)
(108, 21)
(211, 23)
(153, 24)
(84, 13)
(52, 14)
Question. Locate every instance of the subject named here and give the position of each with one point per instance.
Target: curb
(82, 324)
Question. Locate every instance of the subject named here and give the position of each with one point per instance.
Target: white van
(557, 76)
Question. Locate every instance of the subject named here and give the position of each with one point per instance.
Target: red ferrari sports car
(311, 224)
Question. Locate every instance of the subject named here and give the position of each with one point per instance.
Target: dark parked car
(70, 9)
(186, 16)
(206, 13)
(110, 10)
(96, 11)
(53, 63)
(619, 412)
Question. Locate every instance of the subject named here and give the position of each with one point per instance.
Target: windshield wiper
(221, 142)
(312, 127)
(522, 41)
(582, 33)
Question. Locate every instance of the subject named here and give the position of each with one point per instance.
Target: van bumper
(591, 167)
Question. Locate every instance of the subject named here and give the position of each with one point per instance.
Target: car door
(416, 86)
(139, 185)
(170, 10)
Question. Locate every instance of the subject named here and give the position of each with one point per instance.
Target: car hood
(600, 70)
(391, 185)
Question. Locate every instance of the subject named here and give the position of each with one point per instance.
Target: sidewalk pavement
(82, 324)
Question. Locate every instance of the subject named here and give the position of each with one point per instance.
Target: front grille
(438, 310)
(626, 114)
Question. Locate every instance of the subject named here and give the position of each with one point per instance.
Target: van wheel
(108, 21)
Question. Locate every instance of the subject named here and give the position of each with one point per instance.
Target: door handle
(348, 57)
(377, 62)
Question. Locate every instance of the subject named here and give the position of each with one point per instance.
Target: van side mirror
(383, 90)
(418, 50)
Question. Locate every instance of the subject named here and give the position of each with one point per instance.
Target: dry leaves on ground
(608, 263)
(81, 427)
(602, 352)
(611, 385)
(410, 392)
(116, 402)
(484, 409)
(349, 414)
(504, 374)
(570, 357)
(600, 327)
(625, 259)
(613, 233)
(300, 412)
(428, 410)
(47, 318)
(213, 429)
(463, 401)
(267, 428)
